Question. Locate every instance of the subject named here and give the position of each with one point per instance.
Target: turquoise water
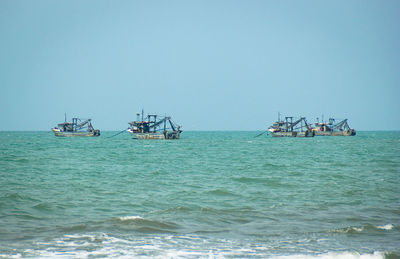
(209, 194)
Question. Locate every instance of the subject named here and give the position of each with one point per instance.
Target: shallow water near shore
(208, 194)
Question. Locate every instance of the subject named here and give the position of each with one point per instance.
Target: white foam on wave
(84, 246)
(129, 218)
(363, 228)
(168, 246)
(349, 230)
(386, 227)
(335, 255)
(11, 256)
(357, 229)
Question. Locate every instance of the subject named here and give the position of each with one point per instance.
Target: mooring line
(118, 133)
(261, 133)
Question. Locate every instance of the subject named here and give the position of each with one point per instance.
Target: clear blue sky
(211, 65)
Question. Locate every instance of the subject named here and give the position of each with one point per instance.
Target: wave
(43, 206)
(128, 224)
(180, 209)
(169, 246)
(126, 218)
(17, 197)
(386, 227)
(140, 224)
(334, 255)
(273, 166)
(14, 158)
(74, 228)
(221, 192)
(361, 229)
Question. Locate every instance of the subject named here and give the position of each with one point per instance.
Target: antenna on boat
(137, 116)
(65, 116)
(279, 116)
(142, 114)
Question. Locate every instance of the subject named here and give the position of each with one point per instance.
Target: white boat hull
(59, 133)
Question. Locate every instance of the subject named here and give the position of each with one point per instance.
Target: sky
(210, 64)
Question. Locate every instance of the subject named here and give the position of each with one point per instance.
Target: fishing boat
(290, 128)
(332, 128)
(76, 128)
(154, 127)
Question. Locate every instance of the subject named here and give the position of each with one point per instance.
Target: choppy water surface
(209, 194)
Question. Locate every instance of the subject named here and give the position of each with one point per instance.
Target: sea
(209, 194)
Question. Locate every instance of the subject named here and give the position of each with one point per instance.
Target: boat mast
(165, 123)
(74, 124)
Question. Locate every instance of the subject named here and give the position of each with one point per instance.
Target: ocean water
(207, 195)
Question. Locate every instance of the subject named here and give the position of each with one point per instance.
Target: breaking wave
(143, 225)
(167, 246)
(334, 255)
(361, 229)
(386, 227)
(127, 218)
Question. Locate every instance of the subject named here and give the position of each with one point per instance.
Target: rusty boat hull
(350, 132)
(161, 135)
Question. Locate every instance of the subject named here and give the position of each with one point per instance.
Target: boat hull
(163, 135)
(351, 132)
(305, 134)
(284, 134)
(293, 134)
(59, 133)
